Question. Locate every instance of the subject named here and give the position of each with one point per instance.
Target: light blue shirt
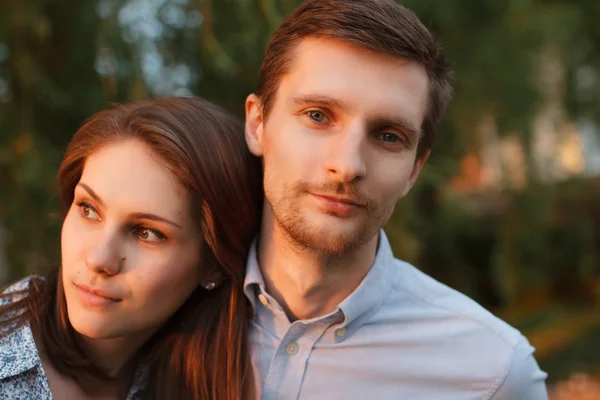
(399, 335)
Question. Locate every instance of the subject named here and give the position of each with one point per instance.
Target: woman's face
(130, 248)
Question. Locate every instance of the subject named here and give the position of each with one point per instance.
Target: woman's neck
(116, 358)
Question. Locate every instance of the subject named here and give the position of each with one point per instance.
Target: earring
(209, 285)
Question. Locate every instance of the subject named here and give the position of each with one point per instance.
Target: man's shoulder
(431, 299)
(440, 332)
(453, 329)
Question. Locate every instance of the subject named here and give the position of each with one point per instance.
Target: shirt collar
(374, 288)
(253, 274)
(140, 381)
(369, 295)
(18, 352)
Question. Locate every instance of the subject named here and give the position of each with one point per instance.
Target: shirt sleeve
(524, 380)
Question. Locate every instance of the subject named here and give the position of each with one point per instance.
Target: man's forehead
(326, 71)
(314, 49)
(313, 57)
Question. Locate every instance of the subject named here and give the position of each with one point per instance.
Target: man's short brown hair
(383, 26)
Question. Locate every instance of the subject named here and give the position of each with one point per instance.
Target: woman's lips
(94, 297)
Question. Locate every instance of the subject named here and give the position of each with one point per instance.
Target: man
(350, 96)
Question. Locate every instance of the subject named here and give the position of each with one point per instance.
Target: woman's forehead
(130, 175)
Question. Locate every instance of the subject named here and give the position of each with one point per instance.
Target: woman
(162, 199)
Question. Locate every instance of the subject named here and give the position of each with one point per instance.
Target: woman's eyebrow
(92, 194)
(135, 215)
(153, 217)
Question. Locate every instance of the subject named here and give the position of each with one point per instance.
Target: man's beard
(291, 218)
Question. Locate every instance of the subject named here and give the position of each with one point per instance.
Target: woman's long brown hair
(202, 351)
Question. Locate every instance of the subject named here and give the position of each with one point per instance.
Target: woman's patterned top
(22, 376)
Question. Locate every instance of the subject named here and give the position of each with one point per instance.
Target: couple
(178, 281)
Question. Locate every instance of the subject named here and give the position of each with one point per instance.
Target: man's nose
(346, 160)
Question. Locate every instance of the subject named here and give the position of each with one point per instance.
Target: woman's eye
(87, 211)
(317, 116)
(149, 235)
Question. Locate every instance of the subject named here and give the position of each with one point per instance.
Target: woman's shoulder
(17, 290)
(20, 372)
(21, 285)
(13, 308)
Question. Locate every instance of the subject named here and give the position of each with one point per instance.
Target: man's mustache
(347, 191)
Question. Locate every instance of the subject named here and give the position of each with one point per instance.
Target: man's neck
(308, 283)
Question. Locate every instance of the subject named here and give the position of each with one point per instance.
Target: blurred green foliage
(60, 61)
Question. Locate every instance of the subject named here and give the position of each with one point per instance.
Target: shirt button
(263, 299)
(340, 332)
(291, 349)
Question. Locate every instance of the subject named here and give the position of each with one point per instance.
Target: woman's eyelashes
(141, 232)
(149, 235)
(87, 211)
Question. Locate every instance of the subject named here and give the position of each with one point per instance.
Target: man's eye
(317, 116)
(389, 137)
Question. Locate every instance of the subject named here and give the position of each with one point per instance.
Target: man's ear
(254, 125)
(417, 168)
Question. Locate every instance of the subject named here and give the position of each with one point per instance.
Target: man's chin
(329, 239)
(320, 231)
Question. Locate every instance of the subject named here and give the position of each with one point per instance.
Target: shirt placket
(287, 369)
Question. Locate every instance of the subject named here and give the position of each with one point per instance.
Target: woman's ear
(212, 280)
(210, 275)
(254, 125)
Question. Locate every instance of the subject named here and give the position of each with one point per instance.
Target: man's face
(340, 142)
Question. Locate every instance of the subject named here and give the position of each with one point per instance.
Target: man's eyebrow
(399, 122)
(323, 100)
(379, 121)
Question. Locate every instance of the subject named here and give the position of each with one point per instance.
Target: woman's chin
(96, 333)
(93, 327)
